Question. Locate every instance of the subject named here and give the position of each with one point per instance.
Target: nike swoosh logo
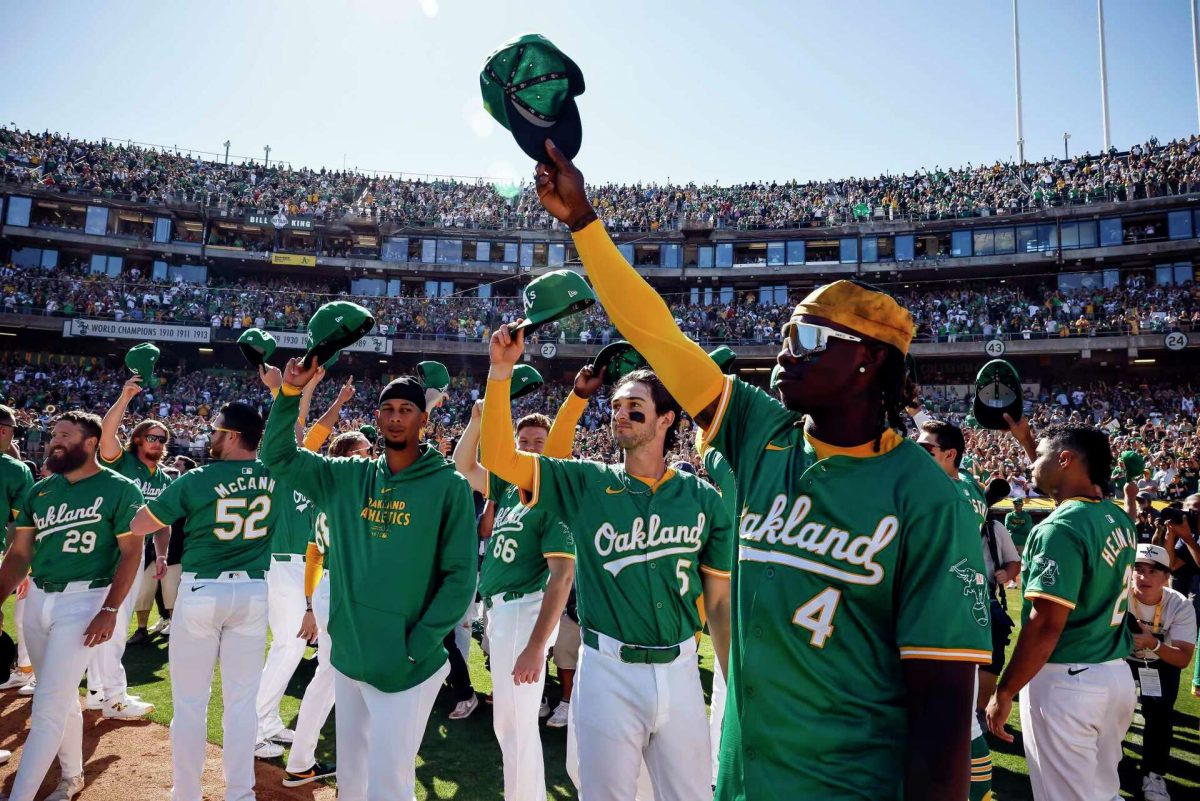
(386, 490)
(771, 446)
(1075, 672)
(40, 494)
(614, 490)
(202, 586)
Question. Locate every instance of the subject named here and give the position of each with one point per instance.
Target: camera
(1178, 516)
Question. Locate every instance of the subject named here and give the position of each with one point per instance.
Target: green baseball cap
(1131, 466)
(256, 345)
(552, 296)
(370, 432)
(724, 357)
(336, 325)
(620, 358)
(776, 372)
(434, 375)
(141, 359)
(529, 86)
(525, 379)
(970, 422)
(997, 392)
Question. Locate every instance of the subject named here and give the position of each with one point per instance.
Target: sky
(704, 90)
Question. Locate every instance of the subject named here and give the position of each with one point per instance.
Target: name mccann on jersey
(386, 512)
(61, 516)
(818, 538)
(641, 536)
(245, 484)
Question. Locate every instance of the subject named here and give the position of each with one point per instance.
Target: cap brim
(992, 418)
(532, 386)
(538, 319)
(567, 132)
(252, 354)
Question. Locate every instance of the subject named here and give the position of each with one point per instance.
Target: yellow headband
(863, 311)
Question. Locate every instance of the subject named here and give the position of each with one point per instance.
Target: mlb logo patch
(247, 471)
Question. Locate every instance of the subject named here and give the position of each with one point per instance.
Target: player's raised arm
(498, 452)
(110, 446)
(561, 438)
(466, 452)
(637, 311)
(308, 472)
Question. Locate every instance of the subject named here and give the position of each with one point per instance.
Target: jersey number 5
(243, 517)
(817, 615)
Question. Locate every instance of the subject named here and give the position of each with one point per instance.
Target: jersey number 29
(241, 517)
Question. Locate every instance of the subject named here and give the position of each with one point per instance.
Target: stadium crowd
(110, 169)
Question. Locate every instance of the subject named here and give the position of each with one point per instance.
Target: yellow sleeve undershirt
(316, 437)
(642, 317)
(561, 438)
(497, 451)
(314, 564)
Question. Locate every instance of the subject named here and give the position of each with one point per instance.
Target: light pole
(1196, 53)
(227, 151)
(1066, 153)
(267, 156)
(1103, 76)
(1017, 75)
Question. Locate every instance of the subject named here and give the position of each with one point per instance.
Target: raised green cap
(724, 357)
(434, 375)
(552, 296)
(1130, 466)
(525, 379)
(334, 326)
(776, 372)
(997, 392)
(256, 345)
(529, 86)
(620, 358)
(370, 432)
(141, 359)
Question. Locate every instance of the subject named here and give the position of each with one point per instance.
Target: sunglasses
(805, 339)
(155, 438)
(930, 447)
(215, 429)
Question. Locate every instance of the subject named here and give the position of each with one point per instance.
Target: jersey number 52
(242, 517)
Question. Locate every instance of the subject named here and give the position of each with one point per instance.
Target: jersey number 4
(816, 615)
(242, 517)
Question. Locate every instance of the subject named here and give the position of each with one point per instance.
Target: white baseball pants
(1074, 718)
(623, 713)
(225, 618)
(105, 671)
(285, 611)
(53, 629)
(515, 706)
(23, 660)
(318, 695)
(716, 716)
(379, 735)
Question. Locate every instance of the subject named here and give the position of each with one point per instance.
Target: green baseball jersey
(76, 525)
(229, 509)
(638, 552)
(15, 481)
(1019, 524)
(522, 538)
(405, 545)
(861, 558)
(294, 526)
(150, 481)
(722, 477)
(1081, 556)
(974, 496)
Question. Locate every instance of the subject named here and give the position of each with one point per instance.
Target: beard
(399, 445)
(631, 439)
(67, 459)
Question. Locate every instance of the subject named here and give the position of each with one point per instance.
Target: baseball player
(1019, 523)
(1080, 696)
(229, 508)
(73, 537)
(721, 476)
(149, 593)
(854, 549)
(647, 540)
(141, 462)
(403, 530)
(15, 480)
(527, 574)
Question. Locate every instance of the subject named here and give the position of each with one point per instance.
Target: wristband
(580, 223)
(1157, 645)
(112, 609)
(307, 605)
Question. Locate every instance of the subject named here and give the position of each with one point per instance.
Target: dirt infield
(132, 760)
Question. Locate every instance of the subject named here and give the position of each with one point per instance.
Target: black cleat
(317, 772)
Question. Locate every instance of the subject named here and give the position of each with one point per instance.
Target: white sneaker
(67, 789)
(160, 626)
(94, 700)
(29, 688)
(283, 736)
(464, 708)
(129, 708)
(544, 709)
(5, 756)
(18, 678)
(166, 629)
(266, 750)
(559, 719)
(1154, 788)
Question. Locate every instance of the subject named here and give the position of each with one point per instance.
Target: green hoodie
(406, 544)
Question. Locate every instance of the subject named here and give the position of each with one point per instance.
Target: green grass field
(460, 760)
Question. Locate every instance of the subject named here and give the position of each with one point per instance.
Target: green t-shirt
(229, 509)
(847, 562)
(1019, 524)
(294, 526)
(522, 538)
(1081, 556)
(722, 477)
(150, 482)
(15, 481)
(638, 553)
(76, 526)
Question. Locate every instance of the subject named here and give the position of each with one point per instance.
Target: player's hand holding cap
(552, 296)
(257, 346)
(141, 359)
(997, 393)
(525, 379)
(724, 357)
(334, 326)
(618, 359)
(1131, 466)
(434, 375)
(529, 86)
